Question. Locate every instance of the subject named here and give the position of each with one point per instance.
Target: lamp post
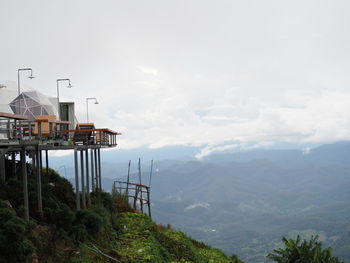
(19, 84)
(58, 95)
(87, 107)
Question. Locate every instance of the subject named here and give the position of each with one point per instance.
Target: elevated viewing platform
(48, 133)
(23, 138)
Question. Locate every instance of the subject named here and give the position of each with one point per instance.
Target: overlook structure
(32, 130)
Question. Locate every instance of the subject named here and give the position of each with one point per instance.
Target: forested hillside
(108, 231)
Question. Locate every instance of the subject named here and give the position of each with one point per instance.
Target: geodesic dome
(32, 104)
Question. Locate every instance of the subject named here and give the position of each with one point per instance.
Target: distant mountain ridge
(245, 202)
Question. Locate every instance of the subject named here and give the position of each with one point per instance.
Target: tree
(298, 251)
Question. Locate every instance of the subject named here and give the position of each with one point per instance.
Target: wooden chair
(45, 123)
(84, 137)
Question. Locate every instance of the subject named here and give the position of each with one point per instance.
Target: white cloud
(209, 150)
(169, 78)
(148, 70)
(202, 205)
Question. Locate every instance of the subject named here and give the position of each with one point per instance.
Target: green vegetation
(14, 244)
(108, 230)
(298, 251)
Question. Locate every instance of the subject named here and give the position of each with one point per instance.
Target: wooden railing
(16, 127)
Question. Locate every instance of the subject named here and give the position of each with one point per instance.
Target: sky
(201, 73)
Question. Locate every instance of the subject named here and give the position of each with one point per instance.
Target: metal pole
(19, 84)
(82, 178)
(99, 169)
(92, 170)
(127, 181)
(38, 172)
(87, 110)
(150, 175)
(141, 202)
(58, 101)
(25, 183)
(87, 177)
(19, 92)
(96, 170)
(76, 179)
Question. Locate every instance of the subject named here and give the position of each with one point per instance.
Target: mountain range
(244, 202)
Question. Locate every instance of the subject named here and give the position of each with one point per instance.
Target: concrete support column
(92, 170)
(99, 169)
(87, 177)
(96, 170)
(38, 174)
(76, 179)
(25, 182)
(82, 178)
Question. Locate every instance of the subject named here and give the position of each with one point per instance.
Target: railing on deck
(16, 127)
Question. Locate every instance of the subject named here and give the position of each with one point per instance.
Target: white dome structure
(32, 104)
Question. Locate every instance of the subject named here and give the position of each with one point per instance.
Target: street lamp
(87, 107)
(19, 84)
(58, 95)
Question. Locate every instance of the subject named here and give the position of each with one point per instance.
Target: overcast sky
(190, 72)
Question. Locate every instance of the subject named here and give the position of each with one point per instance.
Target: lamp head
(69, 85)
(31, 75)
(96, 102)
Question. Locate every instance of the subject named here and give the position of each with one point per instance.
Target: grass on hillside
(108, 230)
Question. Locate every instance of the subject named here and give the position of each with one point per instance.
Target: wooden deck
(50, 134)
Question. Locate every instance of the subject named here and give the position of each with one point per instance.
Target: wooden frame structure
(135, 192)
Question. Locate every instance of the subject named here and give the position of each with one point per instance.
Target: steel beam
(87, 177)
(96, 170)
(99, 169)
(82, 178)
(76, 179)
(25, 183)
(38, 174)
(92, 170)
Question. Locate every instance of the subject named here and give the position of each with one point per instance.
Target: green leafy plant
(303, 251)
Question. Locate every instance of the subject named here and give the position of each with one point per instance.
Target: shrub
(62, 216)
(14, 244)
(103, 199)
(92, 222)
